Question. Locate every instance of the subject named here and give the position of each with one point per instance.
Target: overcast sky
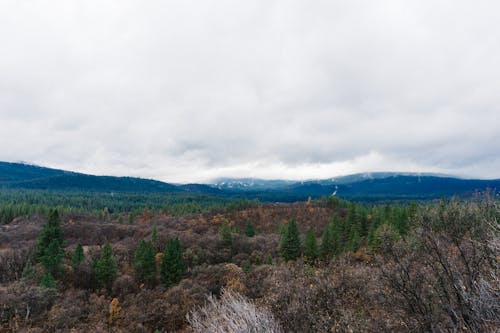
(187, 91)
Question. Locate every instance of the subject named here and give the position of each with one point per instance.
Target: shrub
(231, 313)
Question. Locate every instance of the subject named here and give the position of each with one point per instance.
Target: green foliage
(154, 236)
(354, 239)
(246, 266)
(225, 234)
(144, 262)
(327, 248)
(49, 249)
(385, 237)
(51, 233)
(78, 256)
(269, 260)
(105, 267)
(28, 272)
(172, 264)
(48, 281)
(310, 247)
(290, 245)
(249, 229)
(257, 261)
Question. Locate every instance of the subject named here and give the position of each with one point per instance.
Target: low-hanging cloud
(193, 90)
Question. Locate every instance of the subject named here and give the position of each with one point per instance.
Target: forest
(95, 262)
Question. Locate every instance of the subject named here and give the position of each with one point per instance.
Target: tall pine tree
(290, 245)
(310, 247)
(172, 264)
(327, 248)
(145, 263)
(105, 267)
(50, 244)
(225, 234)
(249, 229)
(77, 257)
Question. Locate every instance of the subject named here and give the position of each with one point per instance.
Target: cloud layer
(192, 90)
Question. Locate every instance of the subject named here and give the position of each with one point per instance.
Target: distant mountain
(377, 186)
(25, 176)
(250, 184)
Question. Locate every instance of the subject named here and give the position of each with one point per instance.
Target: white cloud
(192, 90)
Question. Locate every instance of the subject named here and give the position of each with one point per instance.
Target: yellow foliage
(114, 310)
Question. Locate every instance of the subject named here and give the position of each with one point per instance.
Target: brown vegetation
(441, 277)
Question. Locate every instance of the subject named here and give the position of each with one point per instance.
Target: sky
(189, 91)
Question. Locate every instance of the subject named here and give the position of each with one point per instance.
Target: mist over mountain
(364, 187)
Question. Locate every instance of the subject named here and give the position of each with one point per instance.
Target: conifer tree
(52, 257)
(48, 281)
(290, 248)
(172, 264)
(225, 234)
(249, 229)
(154, 236)
(144, 262)
(105, 267)
(327, 248)
(310, 247)
(354, 239)
(49, 248)
(78, 256)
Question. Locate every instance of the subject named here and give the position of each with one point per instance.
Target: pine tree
(172, 264)
(327, 248)
(310, 247)
(78, 256)
(52, 258)
(49, 249)
(154, 236)
(290, 245)
(249, 229)
(144, 262)
(354, 239)
(48, 281)
(29, 273)
(225, 234)
(105, 267)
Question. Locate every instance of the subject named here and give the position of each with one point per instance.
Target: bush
(231, 313)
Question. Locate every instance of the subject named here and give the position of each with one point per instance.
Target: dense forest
(94, 262)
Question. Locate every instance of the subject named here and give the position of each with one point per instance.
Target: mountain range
(376, 186)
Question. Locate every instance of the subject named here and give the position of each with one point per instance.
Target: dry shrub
(339, 298)
(25, 304)
(445, 275)
(232, 313)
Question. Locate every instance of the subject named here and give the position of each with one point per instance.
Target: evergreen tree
(225, 234)
(49, 249)
(249, 229)
(290, 248)
(154, 236)
(310, 247)
(78, 256)
(246, 266)
(354, 239)
(28, 272)
(385, 237)
(172, 264)
(52, 257)
(144, 262)
(327, 248)
(105, 267)
(48, 281)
